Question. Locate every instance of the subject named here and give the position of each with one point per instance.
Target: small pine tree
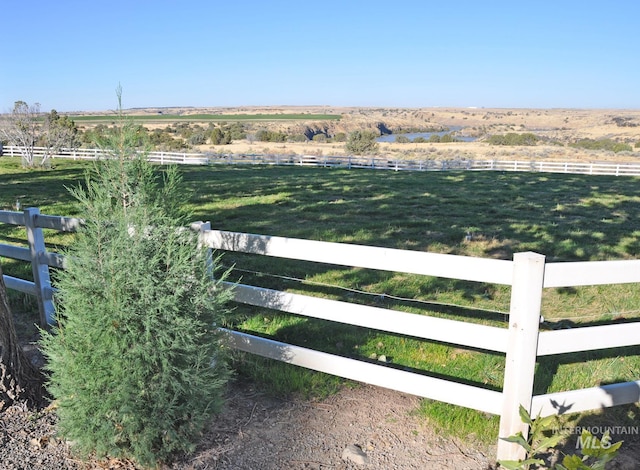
(135, 362)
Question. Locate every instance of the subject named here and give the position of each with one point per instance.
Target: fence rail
(186, 158)
(521, 341)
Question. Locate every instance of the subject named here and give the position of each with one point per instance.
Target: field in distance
(579, 123)
(167, 117)
(557, 129)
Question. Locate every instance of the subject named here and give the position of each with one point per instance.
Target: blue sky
(71, 55)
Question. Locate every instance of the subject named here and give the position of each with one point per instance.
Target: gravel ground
(270, 434)
(256, 431)
(259, 432)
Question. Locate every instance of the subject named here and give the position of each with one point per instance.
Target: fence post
(41, 278)
(202, 227)
(520, 363)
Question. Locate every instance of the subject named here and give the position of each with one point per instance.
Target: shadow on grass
(565, 217)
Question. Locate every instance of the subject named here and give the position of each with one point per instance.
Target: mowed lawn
(483, 214)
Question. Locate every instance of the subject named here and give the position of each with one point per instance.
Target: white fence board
(586, 273)
(415, 262)
(15, 252)
(53, 260)
(446, 391)
(20, 285)
(420, 326)
(63, 224)
(12, 218)
(586, 399)
(588, 338)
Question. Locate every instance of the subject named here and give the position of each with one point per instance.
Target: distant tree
(360, 142)
(92, 135)
(220, 136)
(216, 136)
(197, 138)
(419, 140)
(278, 137)
(340, 137)
(320, 138)
(58, 132)
(226, 137)
(528, 138)
(513, 138)
(22, 128)
(270, 136)
(434, 138)
(262, 135)
(402, 139)
(163, 140)
(621, 147)
(235, 131)
(297, 138)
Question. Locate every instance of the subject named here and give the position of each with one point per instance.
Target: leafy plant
(544, 435)
(596, 453)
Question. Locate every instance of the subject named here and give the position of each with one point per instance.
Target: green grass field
(565, 217)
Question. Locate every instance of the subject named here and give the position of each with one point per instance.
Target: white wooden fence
(588, 168)
(36, 253)
(521, 342)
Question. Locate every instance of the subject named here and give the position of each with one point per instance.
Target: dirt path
(258, 432)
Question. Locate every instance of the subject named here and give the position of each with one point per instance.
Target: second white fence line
(363, 162)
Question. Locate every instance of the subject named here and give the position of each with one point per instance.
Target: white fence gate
(522, 342)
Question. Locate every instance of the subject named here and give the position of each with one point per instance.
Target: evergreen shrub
(136, 366)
